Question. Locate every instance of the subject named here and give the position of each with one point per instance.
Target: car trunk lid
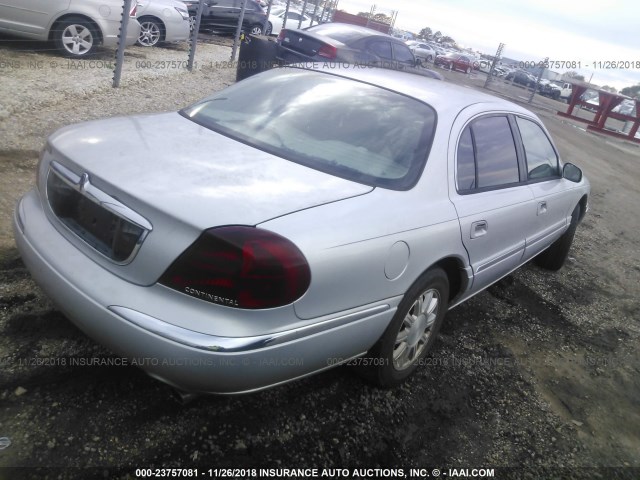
(184, 178)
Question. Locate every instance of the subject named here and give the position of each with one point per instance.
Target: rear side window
(542, 160)
(402, 53)
(494, 151)
(381, 49)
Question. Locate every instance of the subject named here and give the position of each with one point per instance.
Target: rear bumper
(186, 359)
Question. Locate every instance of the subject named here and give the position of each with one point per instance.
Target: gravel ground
(540, 373)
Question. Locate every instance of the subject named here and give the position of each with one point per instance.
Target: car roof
(354, 32)
(441, 95)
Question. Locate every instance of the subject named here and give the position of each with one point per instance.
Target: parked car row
(162, 21)
(344, 43)
(422, 51)
(450, 59)
(455, 61)
(521, 77)
(549, 89)
(280, 17)
(78, 27)
(223, 15)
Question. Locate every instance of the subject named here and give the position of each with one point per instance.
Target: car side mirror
(572, 173)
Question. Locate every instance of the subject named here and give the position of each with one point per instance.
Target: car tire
(269, 29)
(255, 29)
(411, 333)
(151, 32)
(75, 37)
(554, 257)
(429, 58)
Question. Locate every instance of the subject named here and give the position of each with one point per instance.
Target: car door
(293, 19)
(30, 17)
(492, 202)
(553, 204)
(403, 55)
(464, 63)
(380, 51)
(223, 14)
(277, 22)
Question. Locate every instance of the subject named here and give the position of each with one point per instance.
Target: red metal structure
(607, 101)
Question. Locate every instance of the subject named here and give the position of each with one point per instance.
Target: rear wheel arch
(454, 268)
(412, 332)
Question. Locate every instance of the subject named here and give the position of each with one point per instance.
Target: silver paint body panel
(185, 178)
(34, 18)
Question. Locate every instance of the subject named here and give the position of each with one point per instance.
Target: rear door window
(381, 49)
(402, 53)
(495, 152)
(489, 142)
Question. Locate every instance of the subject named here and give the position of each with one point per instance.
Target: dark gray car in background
(344, 43)
(224, 15)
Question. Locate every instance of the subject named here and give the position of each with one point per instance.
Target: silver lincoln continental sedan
(293, 221)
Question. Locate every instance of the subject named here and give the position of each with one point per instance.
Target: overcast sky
(584, 31)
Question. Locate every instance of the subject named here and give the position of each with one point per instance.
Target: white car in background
(162, 21)
(423, 52)
(77, 27)
(277, 16)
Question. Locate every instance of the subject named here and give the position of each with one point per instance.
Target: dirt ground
(538, 377)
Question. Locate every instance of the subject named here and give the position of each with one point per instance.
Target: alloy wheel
(77, 39)
(149, 34)
(414, 333)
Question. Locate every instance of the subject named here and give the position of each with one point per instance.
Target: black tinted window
(495, 152)
(402, 53)
(542, 160)
(466, 171)
(381, 49)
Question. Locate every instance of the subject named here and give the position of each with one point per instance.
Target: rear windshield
(339, 31)
(336, 125)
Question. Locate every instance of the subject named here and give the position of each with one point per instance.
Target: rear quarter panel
(373, 247)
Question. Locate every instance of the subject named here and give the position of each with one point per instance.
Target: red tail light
(281, 35)
(134, 9)
(241, 267)
(328, 51)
